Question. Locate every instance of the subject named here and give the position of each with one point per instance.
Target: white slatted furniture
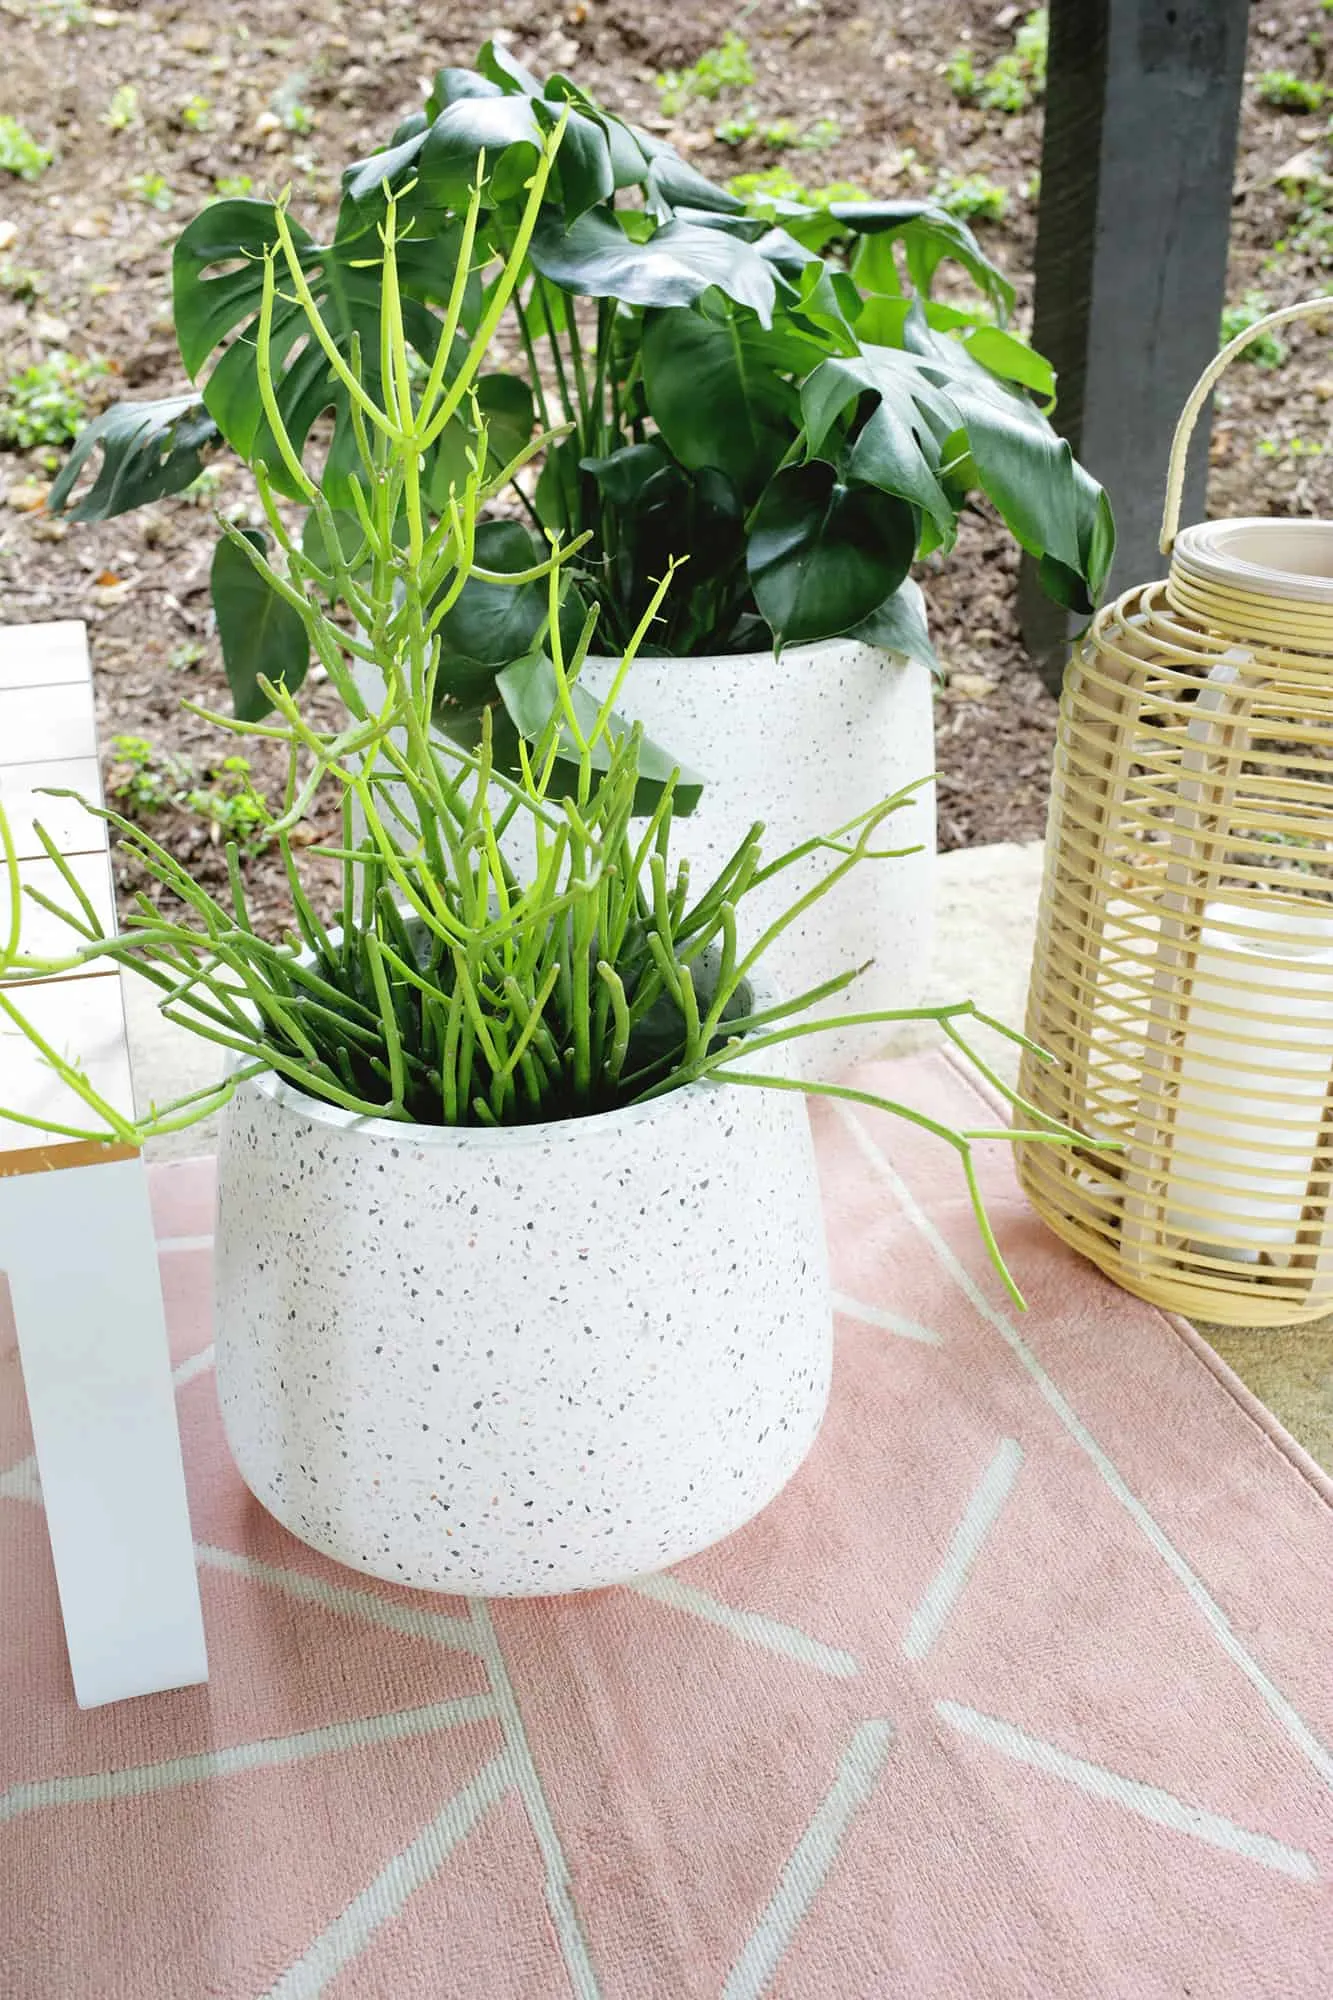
(76, 1234)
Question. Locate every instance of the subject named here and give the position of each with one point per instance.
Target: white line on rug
(97, 1787)
(969, 1538)
(751, 1626)
(1223, 1631)
(811, 1860)
(891, 1322)
(1149, 1801)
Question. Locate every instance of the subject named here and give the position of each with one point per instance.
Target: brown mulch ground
(98, 255)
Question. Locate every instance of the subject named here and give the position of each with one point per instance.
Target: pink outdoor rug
(1024, 1687)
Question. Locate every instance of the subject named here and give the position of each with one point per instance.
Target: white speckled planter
(518, 1362)
(804, 743)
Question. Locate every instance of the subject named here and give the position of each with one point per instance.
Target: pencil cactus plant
(456, 988)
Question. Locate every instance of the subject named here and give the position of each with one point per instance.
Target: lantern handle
(1203, 388)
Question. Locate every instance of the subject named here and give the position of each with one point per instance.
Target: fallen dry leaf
(1304, 166)
(28, 495)
(972, 687)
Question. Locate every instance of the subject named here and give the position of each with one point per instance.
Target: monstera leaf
(652, 511)
(148, 451)
(597, 258)
(505, 129)
(503, 112)
(672, 183)
(904, 421)
(391, 166)
(928, 235)
(492, 624)
(531, 697)
(218, 284)
(722, 390)
(926, 423)
(1055, 509)
(260, 632)
(899, 625)
(823, 554)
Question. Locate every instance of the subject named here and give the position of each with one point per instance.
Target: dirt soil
(85, 259)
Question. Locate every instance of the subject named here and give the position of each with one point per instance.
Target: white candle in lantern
(1247, 1122)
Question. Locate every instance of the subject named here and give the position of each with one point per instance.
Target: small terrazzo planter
(803, 743)
(520, 1361)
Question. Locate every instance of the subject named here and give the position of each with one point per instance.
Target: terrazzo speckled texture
(520, 1362)
(804, 743)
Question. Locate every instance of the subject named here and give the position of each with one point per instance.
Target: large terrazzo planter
(804, 743)
(523, 1361)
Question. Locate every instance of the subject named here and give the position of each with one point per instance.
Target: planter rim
(755, 657)
(474, 1138)
(492, 1138)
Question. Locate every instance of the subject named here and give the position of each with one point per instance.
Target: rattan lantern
(1183, 975)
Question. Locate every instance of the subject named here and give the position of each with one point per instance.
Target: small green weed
(19, 152)
(231, 806)
(196, 114)
(63, 14)
(1286, 91)
(1312, 234)
(45, 404)
(824, 132)
(203, 490)
(21, 283)
(187, 654)
(772, 185)
(1032, 47)
(727, 67)
(768, 184)
(1295, 447)
(58, 14)
(1013, 81)
(960, 73)
(739, 129)
(298, 118)
(145, 779)
(123, 111)
(779, 135)
(227, 187)
(1265, 352)
(152, 189)
(972, 197)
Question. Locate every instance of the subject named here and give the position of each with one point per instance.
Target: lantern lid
(1260, 557)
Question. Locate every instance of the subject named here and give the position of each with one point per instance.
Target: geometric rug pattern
(1023, 1687)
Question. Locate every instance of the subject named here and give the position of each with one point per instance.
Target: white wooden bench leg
(77, 1246)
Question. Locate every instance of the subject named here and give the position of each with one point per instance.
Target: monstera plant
(777, 395)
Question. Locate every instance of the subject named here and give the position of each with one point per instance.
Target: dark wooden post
(1138, 160)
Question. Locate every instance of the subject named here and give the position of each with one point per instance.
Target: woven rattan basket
(1183, 975)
